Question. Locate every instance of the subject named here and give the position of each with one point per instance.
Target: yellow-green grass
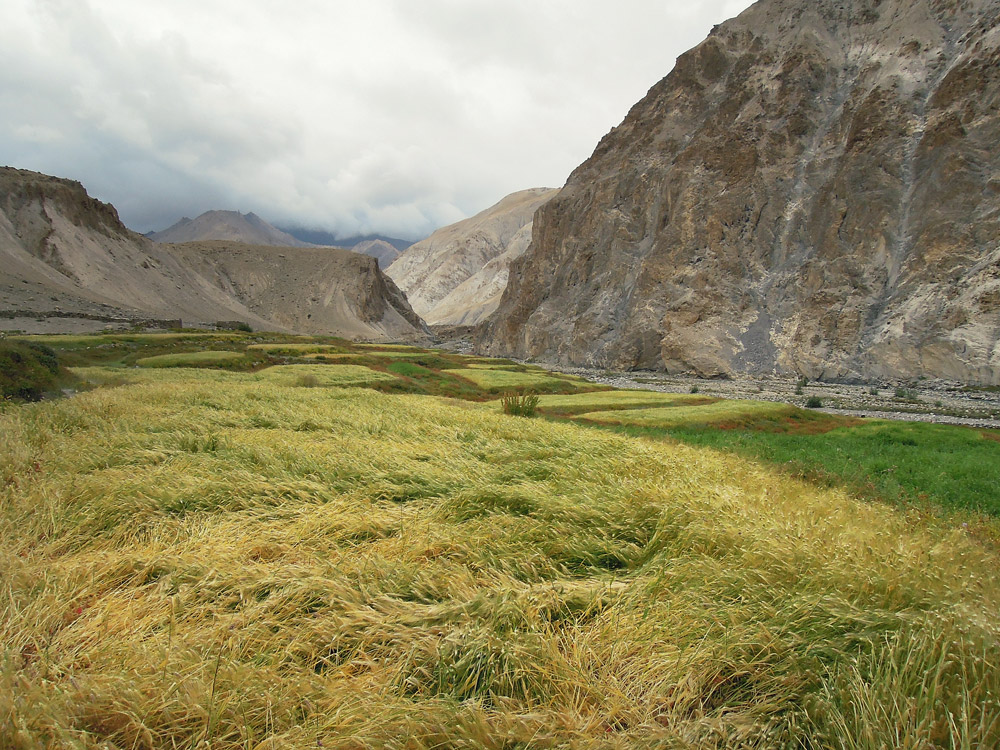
(400, 354)
(252, 566)
(322, 375)
(490, 366)
(280, 375)
(296, 349)
(207, 358)
(580, 403)
(725, 413)
(496, 380)
(392, 348)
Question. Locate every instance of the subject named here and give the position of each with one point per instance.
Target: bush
(694, 389)
(27, 370)
(906, 394)
(519, 404)
(813, 402)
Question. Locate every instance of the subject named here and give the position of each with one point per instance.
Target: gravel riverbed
(927, 401)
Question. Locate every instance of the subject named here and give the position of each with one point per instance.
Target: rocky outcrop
(308, 290)
(456, 276)
(813, 190)
(226, 225)
(65, 258)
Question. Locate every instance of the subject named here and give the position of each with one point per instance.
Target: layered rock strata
(815, 190)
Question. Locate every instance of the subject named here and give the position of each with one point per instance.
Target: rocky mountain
(322, 237)
(68, 263)
(381, 250)
(227, 225)
(456, 276)
(814, 189)
(324, 290)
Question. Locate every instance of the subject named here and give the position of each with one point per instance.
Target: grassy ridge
(263, 565)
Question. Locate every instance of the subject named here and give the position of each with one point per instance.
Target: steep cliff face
(64, 255)
(456, 276)
(814, 189)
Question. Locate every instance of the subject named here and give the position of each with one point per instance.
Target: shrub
(813, 402)
(27, 370)
(519, 404)
(694, 389)
(907, 394)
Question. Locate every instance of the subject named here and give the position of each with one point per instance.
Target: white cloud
(390, 115)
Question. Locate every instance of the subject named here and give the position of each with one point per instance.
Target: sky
(376, 116)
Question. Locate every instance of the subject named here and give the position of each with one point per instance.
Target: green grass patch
(410, 370)
(208, 358)
(956, 468)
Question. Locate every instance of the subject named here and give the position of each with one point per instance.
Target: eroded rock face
(324, 290)
(456, 276)
(65, 256)
(814, 189)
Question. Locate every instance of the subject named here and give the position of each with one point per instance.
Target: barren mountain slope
(324, 290)
(456, 275)
(64, 255)
(381, 250)
(226, 225)
(814, 189)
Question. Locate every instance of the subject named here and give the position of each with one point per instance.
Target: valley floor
(237, 543)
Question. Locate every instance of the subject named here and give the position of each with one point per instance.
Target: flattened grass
(258, 566)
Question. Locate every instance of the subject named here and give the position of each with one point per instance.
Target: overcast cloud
(390, 116)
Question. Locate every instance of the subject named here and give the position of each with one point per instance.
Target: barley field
(198, 558)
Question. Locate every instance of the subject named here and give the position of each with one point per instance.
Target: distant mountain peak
(232, 226)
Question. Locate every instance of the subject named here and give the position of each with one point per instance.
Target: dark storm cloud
(391, 116)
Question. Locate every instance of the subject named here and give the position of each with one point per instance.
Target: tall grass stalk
(267, 565)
